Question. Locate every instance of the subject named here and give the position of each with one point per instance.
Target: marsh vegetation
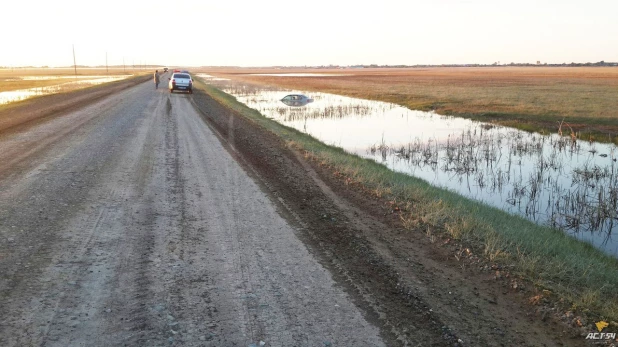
(570, 274)
(529, 98)
(556, 180)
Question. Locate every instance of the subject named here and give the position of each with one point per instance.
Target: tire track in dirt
(77, 276)
(263, 285)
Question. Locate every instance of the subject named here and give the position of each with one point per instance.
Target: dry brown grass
(11, 79)
(18, 84)
(87, 71)
(586, 97)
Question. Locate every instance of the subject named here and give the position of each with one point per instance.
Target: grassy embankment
(561, 267)
(528, 98)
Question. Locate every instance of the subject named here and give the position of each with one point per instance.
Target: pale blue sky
(320, 32)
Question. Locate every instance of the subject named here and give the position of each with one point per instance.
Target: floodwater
(22, 94)
(549, 179)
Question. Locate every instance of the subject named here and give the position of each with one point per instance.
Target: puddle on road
(22, 94)
(548, 179)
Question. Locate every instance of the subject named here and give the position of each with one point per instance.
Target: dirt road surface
(155, 219)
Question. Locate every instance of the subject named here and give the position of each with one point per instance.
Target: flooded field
(553, 180)
(298, 74)
(211, 78)
(82, 82)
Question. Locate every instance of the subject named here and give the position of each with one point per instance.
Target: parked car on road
(181, 81)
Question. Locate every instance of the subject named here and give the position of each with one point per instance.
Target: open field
(25, 78)
(576, 277)
(529, 98)
(69, 71)
(32, 110)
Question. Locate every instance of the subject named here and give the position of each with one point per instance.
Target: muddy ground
(144, 218)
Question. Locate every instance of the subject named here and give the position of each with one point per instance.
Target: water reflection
(558, 181)
(22, 94)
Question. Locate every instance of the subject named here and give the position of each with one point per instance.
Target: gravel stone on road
(131, 224)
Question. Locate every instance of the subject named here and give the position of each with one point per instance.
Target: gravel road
(130, 216)
(127, 222)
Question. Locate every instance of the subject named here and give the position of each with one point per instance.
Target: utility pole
(74, 64)
(106, 66)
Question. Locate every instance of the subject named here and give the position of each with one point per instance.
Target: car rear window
(181, 75)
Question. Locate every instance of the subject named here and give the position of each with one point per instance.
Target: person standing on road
(156, 79)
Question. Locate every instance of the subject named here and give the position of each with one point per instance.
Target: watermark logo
(601, 335)
(601, 325)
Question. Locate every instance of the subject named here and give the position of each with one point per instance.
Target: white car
(181, 81)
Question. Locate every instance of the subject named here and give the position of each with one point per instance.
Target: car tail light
(173, 81)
